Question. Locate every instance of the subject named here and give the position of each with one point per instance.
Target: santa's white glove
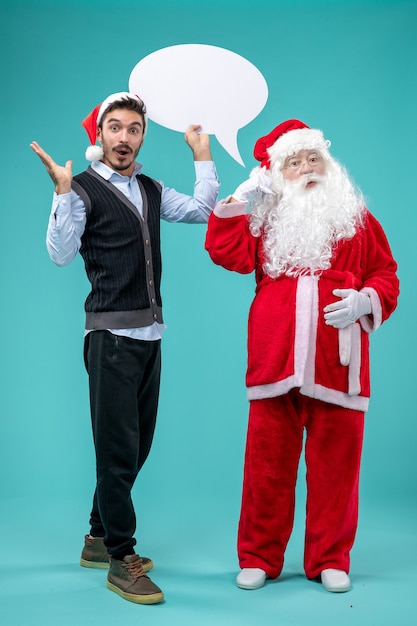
(258, 182)
(350, 308)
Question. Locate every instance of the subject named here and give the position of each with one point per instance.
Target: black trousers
(124, 378)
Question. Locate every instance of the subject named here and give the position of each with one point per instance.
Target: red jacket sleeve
(380, 267)
(230, 243)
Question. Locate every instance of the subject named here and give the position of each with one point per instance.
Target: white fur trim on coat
(305, 354)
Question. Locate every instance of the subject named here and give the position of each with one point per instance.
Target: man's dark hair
(130, 104)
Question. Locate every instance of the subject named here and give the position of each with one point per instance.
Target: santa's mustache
(301, 183)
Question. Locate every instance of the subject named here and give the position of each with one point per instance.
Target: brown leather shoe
(128, 579)
(95, 555)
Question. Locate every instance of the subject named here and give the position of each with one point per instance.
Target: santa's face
(305, 163)
(315, 206)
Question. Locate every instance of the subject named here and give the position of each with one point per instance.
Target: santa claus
(325, 279)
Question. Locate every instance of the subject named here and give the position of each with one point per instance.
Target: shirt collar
(107, 172)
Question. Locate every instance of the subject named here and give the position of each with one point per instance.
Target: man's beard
(301, 225)
(112, 158)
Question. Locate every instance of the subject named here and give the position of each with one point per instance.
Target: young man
(325, 278)
(111, 215)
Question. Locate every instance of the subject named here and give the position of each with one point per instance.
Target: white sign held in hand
(201, 84)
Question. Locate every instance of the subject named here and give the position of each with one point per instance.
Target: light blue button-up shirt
(68, 218)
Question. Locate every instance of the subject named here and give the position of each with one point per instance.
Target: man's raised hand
(199, 143)
(61, 176)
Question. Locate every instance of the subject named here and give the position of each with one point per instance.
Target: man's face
(304, 162)
(121, 137)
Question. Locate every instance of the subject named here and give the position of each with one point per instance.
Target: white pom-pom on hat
(94, 153)
(91, 122)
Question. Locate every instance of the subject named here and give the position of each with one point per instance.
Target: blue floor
(41, 582)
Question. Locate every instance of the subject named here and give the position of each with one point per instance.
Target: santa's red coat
(289, 344)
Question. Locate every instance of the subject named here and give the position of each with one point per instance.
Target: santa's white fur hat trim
(295, 140)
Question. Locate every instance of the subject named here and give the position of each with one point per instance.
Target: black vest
(121, 252)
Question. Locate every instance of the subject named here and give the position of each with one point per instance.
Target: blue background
(346, 67)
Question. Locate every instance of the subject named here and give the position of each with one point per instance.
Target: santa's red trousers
(333, 449)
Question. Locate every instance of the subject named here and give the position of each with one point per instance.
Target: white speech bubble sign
(200, 84)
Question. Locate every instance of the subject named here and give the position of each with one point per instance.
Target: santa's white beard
(301, 225)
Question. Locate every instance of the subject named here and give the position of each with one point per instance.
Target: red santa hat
(286, 139)
(91, 122)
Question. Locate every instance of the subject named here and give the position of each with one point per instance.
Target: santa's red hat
(286, 139)
(91, 122)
